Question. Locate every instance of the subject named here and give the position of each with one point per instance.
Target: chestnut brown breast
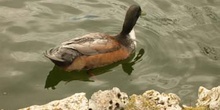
(98, 60)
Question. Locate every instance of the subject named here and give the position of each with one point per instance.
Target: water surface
(178, 48)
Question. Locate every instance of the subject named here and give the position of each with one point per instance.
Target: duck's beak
(143, 13)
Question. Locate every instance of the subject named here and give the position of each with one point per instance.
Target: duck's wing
(90, 44)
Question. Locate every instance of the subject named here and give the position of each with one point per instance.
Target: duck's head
(131, 18)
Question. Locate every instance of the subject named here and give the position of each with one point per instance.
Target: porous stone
(116, 100)
(153, 100)
(209, 98)
(138, 102)
(75, 102)
(108, 100)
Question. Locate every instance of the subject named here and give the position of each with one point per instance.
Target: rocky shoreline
(114, 99)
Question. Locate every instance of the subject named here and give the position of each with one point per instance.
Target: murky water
(178, 48)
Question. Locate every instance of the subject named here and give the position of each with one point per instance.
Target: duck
(95, 50)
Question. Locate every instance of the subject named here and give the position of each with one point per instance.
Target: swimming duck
(97, 49)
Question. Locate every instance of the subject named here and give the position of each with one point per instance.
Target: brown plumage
(96, 49)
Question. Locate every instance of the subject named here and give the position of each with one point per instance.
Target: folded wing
(87, 45)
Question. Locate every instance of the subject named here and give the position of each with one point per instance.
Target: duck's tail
(59, 56)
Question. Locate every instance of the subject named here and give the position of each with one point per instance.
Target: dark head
(131, 18)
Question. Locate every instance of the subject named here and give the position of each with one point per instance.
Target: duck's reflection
(127, 66)
(56, 74)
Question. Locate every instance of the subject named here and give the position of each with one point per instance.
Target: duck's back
(87, 52)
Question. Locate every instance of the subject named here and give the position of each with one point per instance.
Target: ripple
(96, 5)
(186, 86)
(16, 73)
(184, 92)
(211, 14)
(10, 3)
(196, 13)
(157, 80)
(201, 78)
(10, 72)
(85, 17)
(61, 8)
(26, 57)
(17, 30)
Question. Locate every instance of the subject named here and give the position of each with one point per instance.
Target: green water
(178, 48)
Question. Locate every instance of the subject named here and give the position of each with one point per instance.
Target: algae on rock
(153, 100)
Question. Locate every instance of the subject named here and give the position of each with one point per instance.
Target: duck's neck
(128, 25)
(126, 29)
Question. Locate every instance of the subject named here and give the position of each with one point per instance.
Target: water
(178, 47)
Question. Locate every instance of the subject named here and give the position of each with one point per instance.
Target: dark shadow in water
(127, 66)
(57, 74)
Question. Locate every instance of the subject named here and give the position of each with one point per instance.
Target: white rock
(77, 101)
(153, 100)
(116, 100)
(209, 98)
(108, 100)
(163, 101)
